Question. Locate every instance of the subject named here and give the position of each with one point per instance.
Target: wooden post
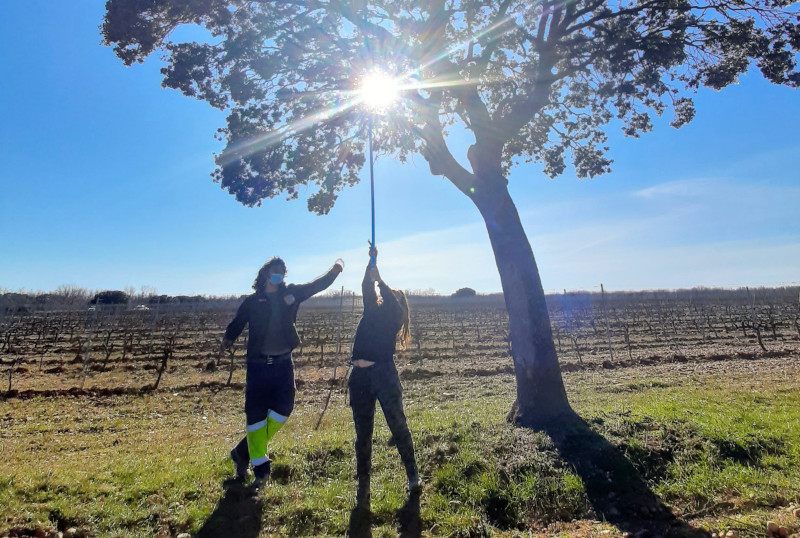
(754, 319)
(796, 324)
(231, 352)
(605, 314)
(341, 325)
(571, 330)
(336, 362)
(88, 348)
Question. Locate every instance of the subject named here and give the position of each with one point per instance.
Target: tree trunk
(541, 396)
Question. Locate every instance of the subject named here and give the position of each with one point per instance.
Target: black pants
(368, 385)
(270, 387)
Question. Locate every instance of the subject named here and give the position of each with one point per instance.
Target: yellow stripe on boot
(257, 438)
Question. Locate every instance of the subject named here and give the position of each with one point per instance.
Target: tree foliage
(464, 293)
(110, 297)
(534, 81)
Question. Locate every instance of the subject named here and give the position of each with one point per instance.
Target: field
(118, 423)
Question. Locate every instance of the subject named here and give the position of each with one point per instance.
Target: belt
(361, 363)
(273, 359)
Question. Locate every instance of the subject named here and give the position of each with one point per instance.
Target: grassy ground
(716, 445)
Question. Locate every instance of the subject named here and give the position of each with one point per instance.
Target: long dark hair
(263, 273)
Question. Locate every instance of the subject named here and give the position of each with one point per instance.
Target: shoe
(242, 466)
(261, 473)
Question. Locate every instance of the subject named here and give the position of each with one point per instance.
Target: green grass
(711, 441)
(712, 447)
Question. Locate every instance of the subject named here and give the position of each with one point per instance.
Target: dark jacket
(256, 309)
(376, 335)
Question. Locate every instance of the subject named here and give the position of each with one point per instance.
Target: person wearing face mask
(271, 313)
(374, 378)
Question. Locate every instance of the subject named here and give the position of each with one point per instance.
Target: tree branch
(359, 21)
(435, 151)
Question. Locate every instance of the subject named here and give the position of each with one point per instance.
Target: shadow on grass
(615, 489)
(238, 514)
(360, 523)
(408, 518)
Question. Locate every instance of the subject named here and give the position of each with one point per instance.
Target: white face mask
(276, 279)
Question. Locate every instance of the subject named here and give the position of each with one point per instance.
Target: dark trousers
(269, 387)
(368, 385)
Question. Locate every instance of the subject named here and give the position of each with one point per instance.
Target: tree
(110, 297)
(464, 293)
(533, 81)
(72, 295)
(130, 291)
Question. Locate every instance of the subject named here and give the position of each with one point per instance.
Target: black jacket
(255, 310)
(376, 335)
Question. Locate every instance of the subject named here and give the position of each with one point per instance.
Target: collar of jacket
(282, 287)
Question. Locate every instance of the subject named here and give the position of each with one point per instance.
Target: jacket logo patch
(289, 299)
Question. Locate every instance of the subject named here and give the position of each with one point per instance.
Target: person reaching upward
(374, 378)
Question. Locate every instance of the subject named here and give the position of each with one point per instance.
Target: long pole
(605, 315)
(372, 186)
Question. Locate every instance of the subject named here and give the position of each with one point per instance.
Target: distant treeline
(698, 295)
(118, 299)
(80, 299)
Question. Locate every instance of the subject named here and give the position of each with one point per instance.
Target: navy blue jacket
(256, 311)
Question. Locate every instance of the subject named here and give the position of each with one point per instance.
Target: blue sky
(105, 184)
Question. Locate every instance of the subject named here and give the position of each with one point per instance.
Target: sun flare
(378, 90)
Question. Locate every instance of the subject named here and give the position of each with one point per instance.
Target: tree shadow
(238, 513)
(616, 491)
(409, 522)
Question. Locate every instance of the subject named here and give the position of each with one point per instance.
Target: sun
(378, 90)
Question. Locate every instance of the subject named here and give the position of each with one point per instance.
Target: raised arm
(304, 291)
(371, 275)
(370, 298)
